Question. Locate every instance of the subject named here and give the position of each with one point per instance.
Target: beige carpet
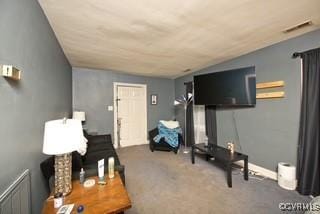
(165, 183)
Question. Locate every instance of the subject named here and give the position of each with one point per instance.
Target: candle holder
(230, 146)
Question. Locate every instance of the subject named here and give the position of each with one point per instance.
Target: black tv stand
(224, 155)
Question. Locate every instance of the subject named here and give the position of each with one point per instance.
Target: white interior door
(132, 114)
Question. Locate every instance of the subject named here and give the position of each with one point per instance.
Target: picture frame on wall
(154, 99)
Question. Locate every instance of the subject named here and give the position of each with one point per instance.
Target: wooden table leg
(192, 154)
(246, 170)
(229, 174)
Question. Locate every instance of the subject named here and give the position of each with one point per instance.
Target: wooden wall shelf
(269, 95)
(270, 84)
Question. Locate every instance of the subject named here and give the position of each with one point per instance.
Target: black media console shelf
(224, 155)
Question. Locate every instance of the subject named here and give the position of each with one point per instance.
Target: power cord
(252, 174)
(236, 129)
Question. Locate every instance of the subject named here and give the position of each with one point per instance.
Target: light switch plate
(110, 108)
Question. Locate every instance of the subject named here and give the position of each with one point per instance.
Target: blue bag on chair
(171, 136)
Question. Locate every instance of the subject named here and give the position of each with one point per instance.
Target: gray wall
(93, 92)
(44, 92)
(268, 132)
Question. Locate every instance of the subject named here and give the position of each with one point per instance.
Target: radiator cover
(16, 199)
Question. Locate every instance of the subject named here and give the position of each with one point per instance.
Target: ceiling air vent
(298, 26)
(187, 70)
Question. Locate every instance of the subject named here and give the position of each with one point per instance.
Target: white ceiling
(165, 37)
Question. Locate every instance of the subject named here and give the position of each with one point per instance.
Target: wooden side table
(109, 198)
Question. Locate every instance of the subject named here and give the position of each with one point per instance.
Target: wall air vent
(298, 26)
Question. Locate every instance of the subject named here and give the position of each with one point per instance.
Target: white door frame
(115, 109)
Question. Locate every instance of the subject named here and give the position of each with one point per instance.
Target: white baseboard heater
(17, 197)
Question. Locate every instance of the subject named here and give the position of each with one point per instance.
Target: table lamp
(79, 115)
(61, 137)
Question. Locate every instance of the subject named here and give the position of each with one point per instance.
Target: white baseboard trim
(260, 170)
(140, 143)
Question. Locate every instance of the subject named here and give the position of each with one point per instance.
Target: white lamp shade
(62, 136)
(79, 115)
(176, 103)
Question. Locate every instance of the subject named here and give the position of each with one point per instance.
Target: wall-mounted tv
(229, 88)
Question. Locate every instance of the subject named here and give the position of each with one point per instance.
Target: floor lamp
(184, 101)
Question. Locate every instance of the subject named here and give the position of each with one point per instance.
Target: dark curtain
(189, 115)
(211, 124)
(308, 149)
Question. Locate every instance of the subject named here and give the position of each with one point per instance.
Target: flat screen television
(226, 88)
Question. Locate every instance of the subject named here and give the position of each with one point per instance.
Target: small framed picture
(154, 99)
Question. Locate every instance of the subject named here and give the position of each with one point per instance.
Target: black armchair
(162, 145)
